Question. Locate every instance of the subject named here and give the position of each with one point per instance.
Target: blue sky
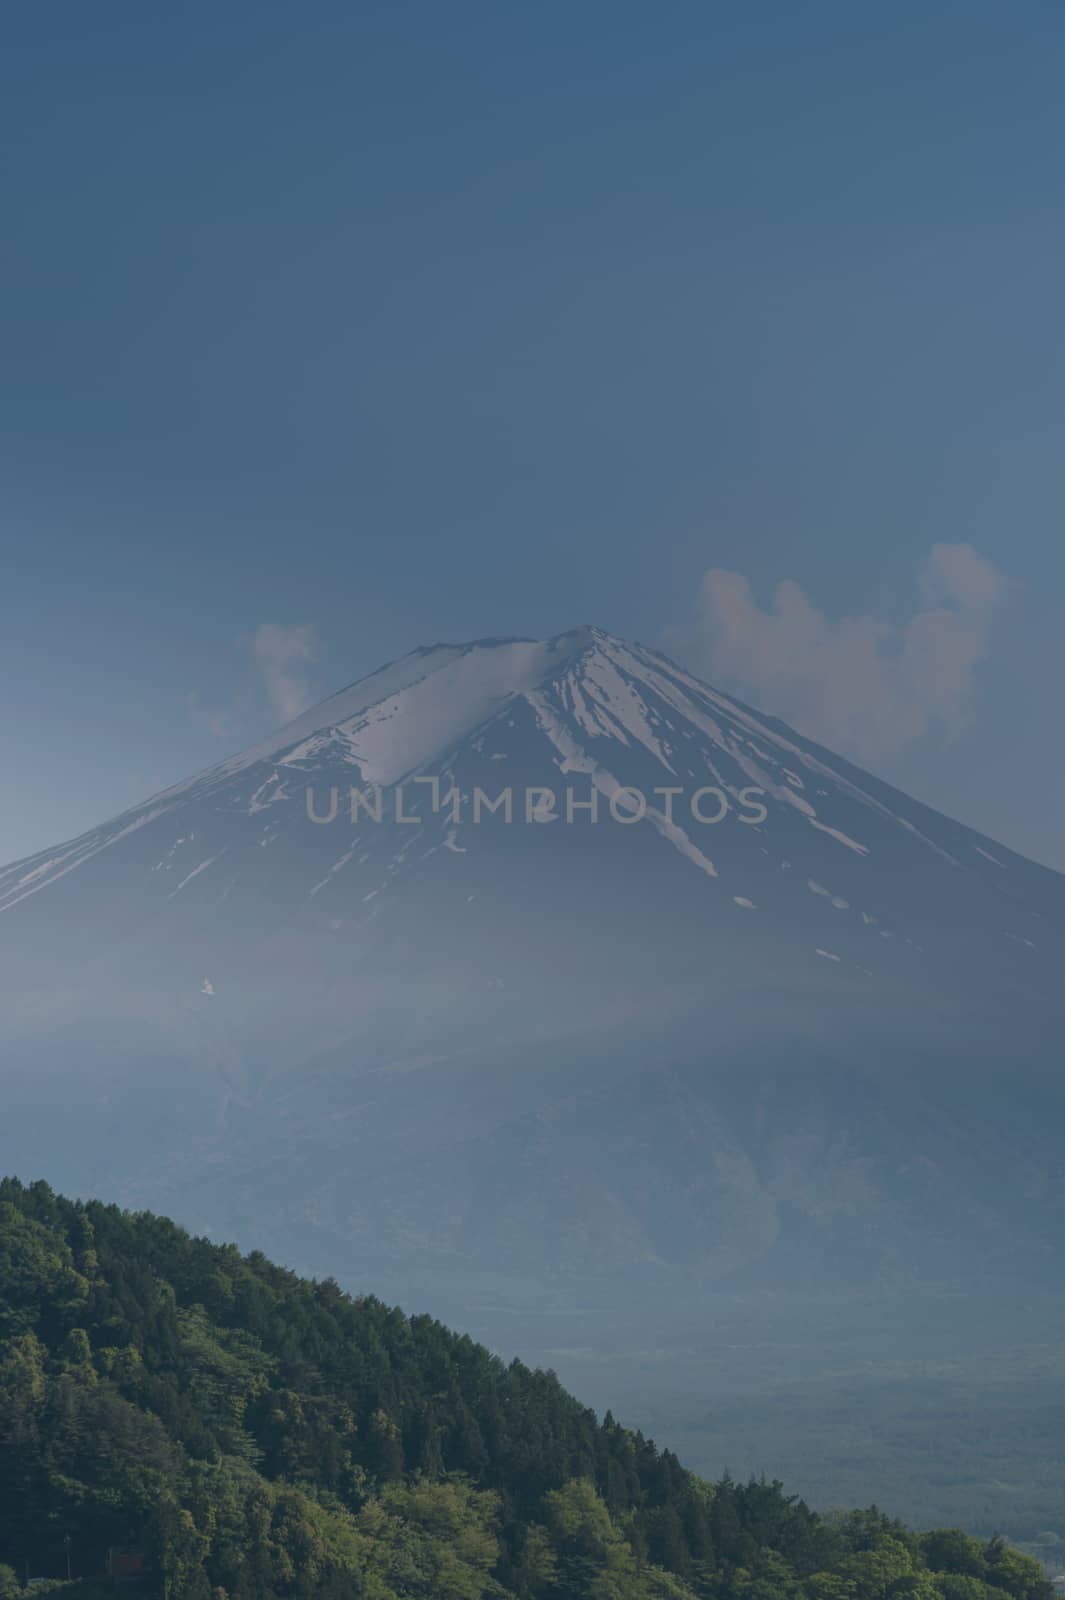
(391, 324)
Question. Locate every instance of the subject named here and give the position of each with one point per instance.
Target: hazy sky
(329, 331)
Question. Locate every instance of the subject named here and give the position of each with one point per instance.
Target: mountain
(179, 1419)
(758, 1018)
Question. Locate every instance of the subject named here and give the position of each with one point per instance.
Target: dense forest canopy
(217, 1428)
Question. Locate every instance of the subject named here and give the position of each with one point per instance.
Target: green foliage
(37, 1272)
(248, 1435)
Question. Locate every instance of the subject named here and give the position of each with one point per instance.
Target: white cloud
(863, 685)
(282, 652)
(277, 657)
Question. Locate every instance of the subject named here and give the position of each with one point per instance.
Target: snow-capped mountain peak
(411, 806)
(364, 962)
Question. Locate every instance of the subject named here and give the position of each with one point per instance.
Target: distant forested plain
(949, 1408)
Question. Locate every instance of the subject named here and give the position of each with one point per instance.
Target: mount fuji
(545, 959)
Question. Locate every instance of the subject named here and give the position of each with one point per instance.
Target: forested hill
(211, 1427)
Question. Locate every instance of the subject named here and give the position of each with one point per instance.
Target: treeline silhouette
(213, 1427)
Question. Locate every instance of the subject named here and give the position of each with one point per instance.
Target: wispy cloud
(864, 685)
(276, 657)
(283, 652)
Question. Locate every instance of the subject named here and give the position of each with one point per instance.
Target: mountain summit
(496, 893)
(512, 787)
